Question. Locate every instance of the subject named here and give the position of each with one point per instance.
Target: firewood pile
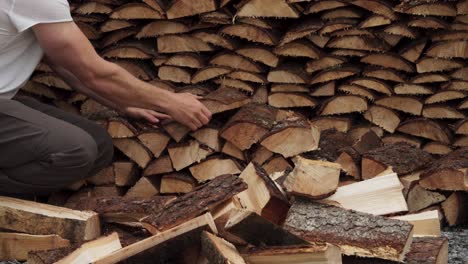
(339, 135)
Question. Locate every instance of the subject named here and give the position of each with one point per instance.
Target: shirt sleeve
(26, 13)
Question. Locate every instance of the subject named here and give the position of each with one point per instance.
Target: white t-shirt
(19, 49)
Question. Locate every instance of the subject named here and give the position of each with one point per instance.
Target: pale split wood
(143, 188)
(382, 117)
(276, 8)
(134, 150)
(343, 105)
(18, 245)
(186, 154)
(214, 167)
(425, 223)
(314, 253)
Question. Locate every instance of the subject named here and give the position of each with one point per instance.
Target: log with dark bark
(386, 239)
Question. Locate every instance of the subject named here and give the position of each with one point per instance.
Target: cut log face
(259, 54)
(425, 223)
(290, 100)
(17, 245)
(231, 150)
(333, 74)
(159, 166)
(343, 105)
(93, 8)
(420, 198)
(190, 205)
(156, 142)
(402, 103)
(373, 84)
(186, 154)
(174, 74)
(162, 27)
(134, 150)
(444, 96)
(425, 78)
(378, 196)
(291, 137)
(413, 89)
(401, 157)
(209, 137)
(235, 61)
(156, 244)
(427, 9)
(298, 48)
(288, 74)
(437, 148)
(135, 11)
(220, 251)
(449, 49)
(143, 188)
(104, 177)
(389, 60)
(183, 8)
(324, 123)
(315, 7)
(454, 208)
(378, 7)
(375, 21)
(257, 8)
(125, 173)
(46, 219)
(382, 117)
(384, 74)
(428, 64)
(359, 43)
(51, 80)
(413, 51)
(387, 239)
(209, 72)
(448, 173)
(289, 88)
(214, 167)
(426, 129)
(276, 164)
(314, 253)
(177, 183)
(256, 230)
(324, 90)
(323, 63)
(181, 43)
(441, 112)
(249, 125)
(313, 178)
(251, 33)
(88, 252)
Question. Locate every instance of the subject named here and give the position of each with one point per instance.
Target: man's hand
(149, 115)
(187, 110)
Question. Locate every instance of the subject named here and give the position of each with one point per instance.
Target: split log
(313, 178)
(330, 122)
(257, 8)
(426, 129)
(174, 74)
(314, 253)
(234, 61)
(334, 74)
(319, 40)
(134, 150)
(40, 90)
(177, 183)
(130, 49)
(420, 198)
(182, 236)
(288, 73)
(427, 64)
(261, 155)
(413, 89)
(120, 128)
(359, 43)
(159, 166)
(200, 200)
(214, 167)
(181, 43)
(51, 80)
(224, 99)
(343, 105)
(138, 69)
(291, 137)
(456, 85)
(447, 173)
(323, 63)
(216, 40)
(454, 208)
(378, 196)
(188, 60)
(437, 148)
(373, 84)
(135, 11)
(247, 76)
(423, 8)
(357, 90)
(324, 90)
(401, 157)
(115, 24)
(276, 164)
(143, 188)
(220, 251)
(259, 54)
(397, 138)
(125, 173)
(162, 27)
(388, 60)
(382, 117)
(402, 103)
(425, 223)
(288, 88)
(209, 72)
(93, 8)
(460, 74)
(88, 252)
(251, 33)
(462, 127)
(298, 48)
(185, 154)
(413, 51)
(290, 100)
(231, 150)
(115, 37)
(449, 49)
(105, 176)
(17, 245)
(209, 137)
(387, 239)
(156, 141)
(441, 112)
(375, 21)
(444, 96)
(45, 219)
(263, 196)
(330, 145)
(378, 7)
(183, 8)
(429, 77)
(257, 231)
(315, 7)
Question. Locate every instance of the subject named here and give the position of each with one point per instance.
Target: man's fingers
(203, 118)
(160, 115)
(207, 112)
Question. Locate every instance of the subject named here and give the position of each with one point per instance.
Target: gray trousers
(44, 149)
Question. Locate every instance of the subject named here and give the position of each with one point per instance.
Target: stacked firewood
(357, 107)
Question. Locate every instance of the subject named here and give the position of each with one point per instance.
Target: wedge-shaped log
(382, 117)
(375, 21)
(135, 11)
(427, 64)
(378, 196)
(156, 141)
(388, 60)
(177, 183)
(235, 61)
(314, 253)
(259, 54)
(134, 150)
(313, 178)
(404, 104)
(379, 7)
(276, 8)
(288, 73)
(292, 137)
(343, 105)
(386, 239)
(444, 96)
(373, 84)
(334, 74)
(183, 8)
(425, 223)
(298, 48)
(454, 208)
(208, 136)
(45, 219)
(217, 40)
(324, 90)
(220, 251)
(186, 154)
(203, 198)
(449, 49)
(214, 167)
(323, 63)
(384, 74)
(437, 148)
(181, 43)
(413, 89)
(413, 51)
(249, 125)
(88, 252)
(162, 27)
(291, 100)
(330, 122)
(143, 188)
(419, 198)
(257, 231)
(224, 99)
(18, 245)
(304, 28)
(209, 72)
(401, 157)
(251, 33)
(161, 244)
(426, 129)
(315, 7)
(441, 112)
(159, 166)
(448, 173)
(360, 43)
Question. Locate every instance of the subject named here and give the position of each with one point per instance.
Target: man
(42, 148)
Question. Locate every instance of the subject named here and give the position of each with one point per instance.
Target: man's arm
(66, 46)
